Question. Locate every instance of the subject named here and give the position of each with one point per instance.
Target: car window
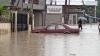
(60, 27)
(52, 27)
(68, 26)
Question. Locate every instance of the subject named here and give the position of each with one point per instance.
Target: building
(73, 10)
(21, 11)
(44, 12)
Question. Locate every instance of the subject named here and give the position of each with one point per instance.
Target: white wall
(5, 28)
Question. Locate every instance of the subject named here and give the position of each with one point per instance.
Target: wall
(5, 28)
(5, 1)
(39, 6)
(53, 18)
(37, 18)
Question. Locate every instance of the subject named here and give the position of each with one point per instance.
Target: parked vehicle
(57, 28)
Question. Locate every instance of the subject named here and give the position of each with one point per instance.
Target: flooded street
(86, 43)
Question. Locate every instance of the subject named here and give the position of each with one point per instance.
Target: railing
(30, 1)
(4, 20)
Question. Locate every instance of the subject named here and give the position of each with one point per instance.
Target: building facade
(24, 9)
(73, 10)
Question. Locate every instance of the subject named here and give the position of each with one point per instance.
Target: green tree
(3, 11)
(85, 7)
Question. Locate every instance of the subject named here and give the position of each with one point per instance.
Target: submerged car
(57, 28)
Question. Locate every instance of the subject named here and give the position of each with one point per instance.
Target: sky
(80, 0)
(72, 2)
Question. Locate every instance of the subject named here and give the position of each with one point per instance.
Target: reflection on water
(32, 44)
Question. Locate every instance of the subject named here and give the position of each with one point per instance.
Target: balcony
(37, 5)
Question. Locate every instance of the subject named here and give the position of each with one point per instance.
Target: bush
(4, 14)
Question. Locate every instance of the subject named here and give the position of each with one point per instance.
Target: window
(36, 1)
(30, 1)
(52, 27)
(26, 1)
(61, 27)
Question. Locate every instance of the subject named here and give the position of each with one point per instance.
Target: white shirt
(99, 26)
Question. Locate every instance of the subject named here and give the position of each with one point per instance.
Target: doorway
(72, 19)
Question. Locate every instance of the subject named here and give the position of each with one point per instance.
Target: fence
(4, 20)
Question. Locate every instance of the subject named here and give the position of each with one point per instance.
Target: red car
(57, 28)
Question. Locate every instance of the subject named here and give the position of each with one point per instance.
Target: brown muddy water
(86, 43)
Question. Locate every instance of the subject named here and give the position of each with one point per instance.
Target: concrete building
(21, 12)
(42, 15)
(53, 14)
(73, 8)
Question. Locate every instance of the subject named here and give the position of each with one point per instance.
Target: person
(99, 27)
(80, 24)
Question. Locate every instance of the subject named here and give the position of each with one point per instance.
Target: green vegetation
(3, 11)
(85, 8)
(88, 10)
(98, 8)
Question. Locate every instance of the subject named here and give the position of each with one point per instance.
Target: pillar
(33, 22)
(28, 19)
(44, 17)
(15, 21)
(28, 22)
(95, 14)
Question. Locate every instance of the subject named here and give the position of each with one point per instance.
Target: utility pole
(68, 11)
(50, 2)
(44, 18)
(83, 5)
(65, 18)
(83, 2)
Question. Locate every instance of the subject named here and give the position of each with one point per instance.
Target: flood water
(86, 43)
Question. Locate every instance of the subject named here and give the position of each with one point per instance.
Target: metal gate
(22, 22)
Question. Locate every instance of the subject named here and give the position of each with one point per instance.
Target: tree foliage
(3, 11)
(85, 7)
(89, 9)
(98, 8)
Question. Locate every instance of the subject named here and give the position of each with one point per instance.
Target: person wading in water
(99, 27)
(80, 24)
